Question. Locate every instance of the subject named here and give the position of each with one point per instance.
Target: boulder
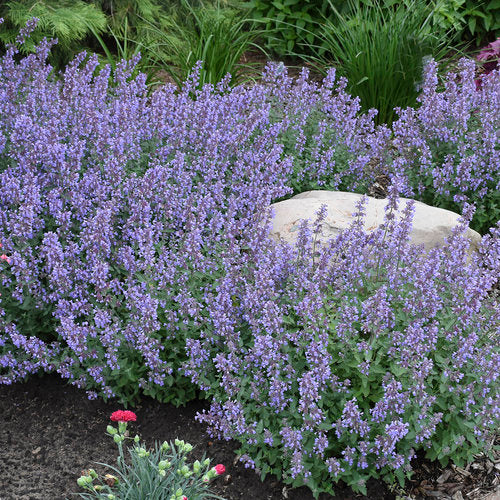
(430, 224)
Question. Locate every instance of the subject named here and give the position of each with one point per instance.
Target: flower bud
(84, 481)
(111, 430)
(185, 471)
(188, 447)
(165, 446)
(117, 438)
(137, 438)
(162, 472)
(196, 467)
(110, 480)
(93, 473)
(164, 464)
(142, 452)
(206, 462)
(178, 443)
(178, 493)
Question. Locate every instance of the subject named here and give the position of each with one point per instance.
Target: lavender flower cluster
(446, 151)
(332, 144)
(111, 202)
(448, 148)
(136, 260)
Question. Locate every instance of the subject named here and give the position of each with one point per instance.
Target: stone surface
(430, 225)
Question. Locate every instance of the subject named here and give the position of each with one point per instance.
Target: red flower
(220, 469)
(123, 416)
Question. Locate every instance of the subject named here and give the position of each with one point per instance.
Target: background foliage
(70, 21)
(381, 52)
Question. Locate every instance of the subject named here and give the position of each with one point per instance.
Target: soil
(50, 432)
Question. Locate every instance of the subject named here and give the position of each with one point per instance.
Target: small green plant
(381, 52)
(216, 35)
(483, 19)
(128, 34)
(125, 48)
(448, 14)
(159, 474)
(288, 23)
(132, 12)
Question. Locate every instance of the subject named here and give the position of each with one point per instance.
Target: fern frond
(66, 20)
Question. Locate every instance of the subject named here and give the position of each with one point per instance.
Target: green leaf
(487, 22)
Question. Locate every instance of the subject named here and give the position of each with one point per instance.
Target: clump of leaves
(214, 34)
(381, 52)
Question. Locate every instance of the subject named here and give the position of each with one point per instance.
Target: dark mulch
(50, 432)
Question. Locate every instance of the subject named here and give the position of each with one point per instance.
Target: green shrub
(483, 20)
(479, 20)
(288, 23)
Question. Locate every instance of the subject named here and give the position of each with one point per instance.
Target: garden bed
(51, 432)
(132, 266)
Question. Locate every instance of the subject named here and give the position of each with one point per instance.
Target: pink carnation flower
(220, 469)
(123, 416)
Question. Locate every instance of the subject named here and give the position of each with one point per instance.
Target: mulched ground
(50, 432)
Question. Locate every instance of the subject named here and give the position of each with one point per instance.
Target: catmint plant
(333, 145)
(135, 229)
(116, 210)
(343, 360)
(448, 148)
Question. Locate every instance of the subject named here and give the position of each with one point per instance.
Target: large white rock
(430, 224)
